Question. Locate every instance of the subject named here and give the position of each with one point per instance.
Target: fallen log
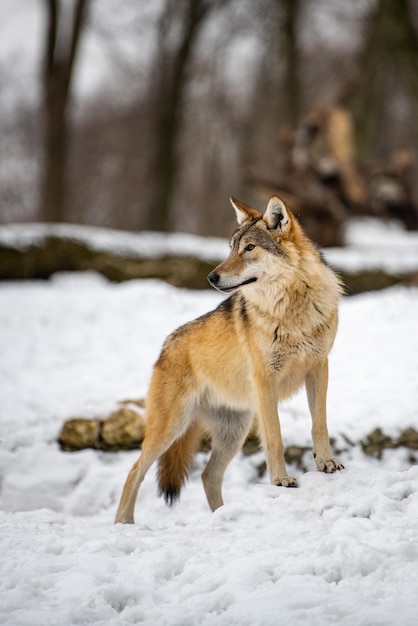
(54, 254)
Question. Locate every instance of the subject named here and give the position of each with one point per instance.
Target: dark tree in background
(64, 28)
(178, 30)
(196, 100)
(290, 50)
(387, 64)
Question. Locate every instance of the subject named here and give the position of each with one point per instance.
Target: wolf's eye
(250, 247)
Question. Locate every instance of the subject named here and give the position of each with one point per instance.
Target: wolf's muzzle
(213, 278)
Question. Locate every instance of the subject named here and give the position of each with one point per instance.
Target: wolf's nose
(213, 278)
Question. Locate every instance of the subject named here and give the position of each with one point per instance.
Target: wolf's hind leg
(157, 442)
(125, 512)
(213, 474)
(161, 431)
(231, 429)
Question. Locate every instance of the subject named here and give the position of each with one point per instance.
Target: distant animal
(217, 373)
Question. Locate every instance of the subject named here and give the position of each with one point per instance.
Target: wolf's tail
(175, 464)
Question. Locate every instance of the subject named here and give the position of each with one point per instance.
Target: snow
(340, 549)
(373, 244)
(142, 244)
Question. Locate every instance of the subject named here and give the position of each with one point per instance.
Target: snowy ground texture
(340, 549)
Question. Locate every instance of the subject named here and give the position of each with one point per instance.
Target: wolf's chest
(293, 349)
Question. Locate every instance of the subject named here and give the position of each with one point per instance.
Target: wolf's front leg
(316, 388)
(270, 433)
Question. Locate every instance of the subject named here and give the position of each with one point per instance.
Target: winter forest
(149, 115)
(126, 125)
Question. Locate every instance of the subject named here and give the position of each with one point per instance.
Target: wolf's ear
(276, 216)
(243, 212)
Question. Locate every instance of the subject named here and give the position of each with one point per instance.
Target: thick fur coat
(219, 372)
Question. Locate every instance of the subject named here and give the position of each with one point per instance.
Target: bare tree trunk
(391, 40)
(170, 83)
(406, 37)
(290, 50)
(58, 65)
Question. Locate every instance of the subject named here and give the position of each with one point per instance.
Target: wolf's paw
(328, 466)
(286, 481)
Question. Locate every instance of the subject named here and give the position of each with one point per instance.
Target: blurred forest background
(149, 115)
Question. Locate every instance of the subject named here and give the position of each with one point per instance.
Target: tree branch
(51, 37)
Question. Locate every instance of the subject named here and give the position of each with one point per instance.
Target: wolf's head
(264, 248)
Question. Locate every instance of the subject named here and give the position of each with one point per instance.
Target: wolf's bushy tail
(175, 464)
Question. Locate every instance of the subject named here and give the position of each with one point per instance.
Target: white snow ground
(340, 549)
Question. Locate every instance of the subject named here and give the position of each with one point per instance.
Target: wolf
(218, 373)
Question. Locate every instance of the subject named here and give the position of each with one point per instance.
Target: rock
(252, 444)
(376, 442)
(409, 439)
(79, 433)
(294, 455)
(122, 430)
(140, 402)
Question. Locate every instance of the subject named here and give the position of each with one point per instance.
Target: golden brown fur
(218, 372)
(174, 465)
